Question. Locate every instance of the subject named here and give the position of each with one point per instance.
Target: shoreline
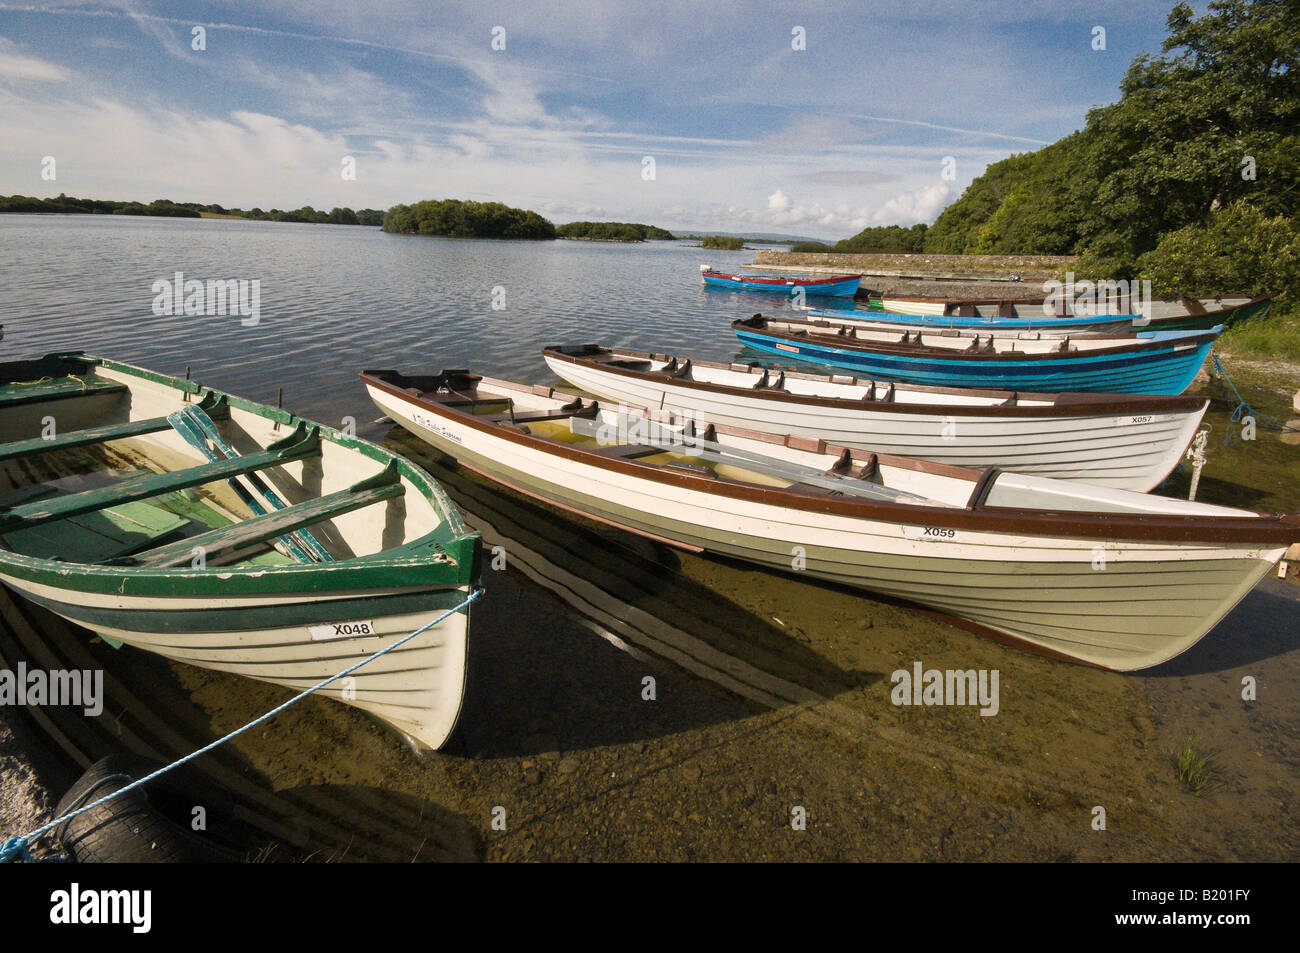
(772, 692)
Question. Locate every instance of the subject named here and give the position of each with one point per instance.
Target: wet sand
(771, 693)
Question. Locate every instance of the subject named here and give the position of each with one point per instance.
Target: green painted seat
(215, 407)
(71, 385)
(303, 442)
(260, 530)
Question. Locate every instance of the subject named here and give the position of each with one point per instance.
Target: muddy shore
(770, 694)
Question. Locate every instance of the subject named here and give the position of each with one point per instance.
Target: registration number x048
(340, 630)
(941, 533)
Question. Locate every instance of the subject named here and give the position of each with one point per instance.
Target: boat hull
(1101, 323)
(840, 286)
(1161, 314)
(1162, 367)
(395, 564)
(1134, 449)
(417, 689)
(1149, 602)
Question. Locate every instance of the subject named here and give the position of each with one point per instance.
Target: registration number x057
(340, 630)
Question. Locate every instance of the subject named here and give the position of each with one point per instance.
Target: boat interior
(1046, 327)
(951, 339)
(762, 378)
(682, 444)
(115, 470)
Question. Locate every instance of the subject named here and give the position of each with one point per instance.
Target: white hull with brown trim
(1097, 575)
(1126, 441)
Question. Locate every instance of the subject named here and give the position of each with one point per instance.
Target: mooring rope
(17, 846)
(1243, 408)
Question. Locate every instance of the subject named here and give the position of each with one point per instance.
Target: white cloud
(778, 201)
(16, 66)
(919, 205)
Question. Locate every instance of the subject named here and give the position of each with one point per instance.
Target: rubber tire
(144, 825)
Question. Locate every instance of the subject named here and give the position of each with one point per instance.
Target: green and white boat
(233, 536)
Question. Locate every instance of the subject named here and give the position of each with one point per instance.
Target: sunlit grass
(1194, 768)
(1276, 336)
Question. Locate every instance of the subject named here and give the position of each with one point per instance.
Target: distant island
(66, 204)
(613, 232)
(726, 242)
(453, 218)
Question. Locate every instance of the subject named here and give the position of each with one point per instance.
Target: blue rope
(17, 846)
(1243, 409)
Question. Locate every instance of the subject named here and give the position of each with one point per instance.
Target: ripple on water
(338, 299)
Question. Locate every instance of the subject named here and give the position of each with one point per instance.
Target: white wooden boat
(1158, 314)
(1126, 441)
(233, 536)
(1098, 575)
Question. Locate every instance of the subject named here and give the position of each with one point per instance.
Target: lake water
(555, 723)
(336, 299)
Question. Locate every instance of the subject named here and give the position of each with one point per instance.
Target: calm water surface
(336, 299)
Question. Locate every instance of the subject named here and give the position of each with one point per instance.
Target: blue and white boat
(837, 285)
(1070, 324)
(1160, 362)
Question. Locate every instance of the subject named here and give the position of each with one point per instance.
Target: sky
(686, 115)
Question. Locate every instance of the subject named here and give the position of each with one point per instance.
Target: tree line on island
(614, 232)
(454, 218)
(1191, 179)
(67, 204)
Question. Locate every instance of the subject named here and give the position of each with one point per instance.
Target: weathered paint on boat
(1105, 323)
(1130, 442)
(836, 285)
(1159, 314)
(1102, 576)
(393, 566)
(1157, 363)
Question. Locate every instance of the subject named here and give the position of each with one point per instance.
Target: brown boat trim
(924, 350)
(1089, 326)
(1189, 303)
(778, 280)
(1063, 405)
(1262, 529)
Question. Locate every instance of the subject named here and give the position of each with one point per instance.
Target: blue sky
(747, 134)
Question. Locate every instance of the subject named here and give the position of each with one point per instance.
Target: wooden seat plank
(301, 443)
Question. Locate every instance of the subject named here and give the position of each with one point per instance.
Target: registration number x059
(942, 533)
(340, 630)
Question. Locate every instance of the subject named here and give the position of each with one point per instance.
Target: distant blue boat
(1161, 362)
(1101, 323)
(838, 285)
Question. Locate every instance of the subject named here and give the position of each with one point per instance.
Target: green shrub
(886, 239)
(1239, 251)
(456, 219)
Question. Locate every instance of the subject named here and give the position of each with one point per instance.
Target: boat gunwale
(1075, 405)
(1250, 528)
(781, 281)
(450, 537)
(889, 348)
(1204, 314)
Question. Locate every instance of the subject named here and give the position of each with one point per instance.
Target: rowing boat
(1108, 577)
(1158, 314)
(837, 285)
(1127, 441)
(234, 536)
(1162, 362)
(1001, 325)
